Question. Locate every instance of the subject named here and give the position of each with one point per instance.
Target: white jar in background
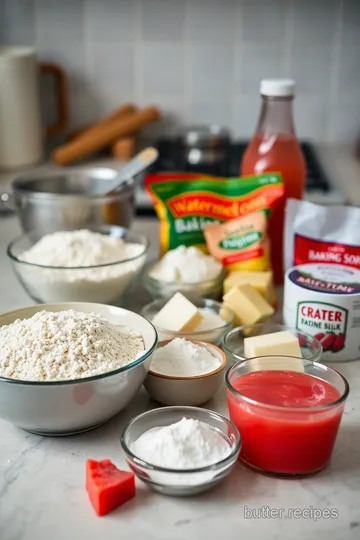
(21, 129)
(324, 300)
(21, 141)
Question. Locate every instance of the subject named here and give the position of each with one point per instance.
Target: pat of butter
(247, 304)
(178, 315)
(260, 281)
(278, 343)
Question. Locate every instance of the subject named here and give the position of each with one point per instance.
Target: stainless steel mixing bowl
(69, 407)
(64, 198)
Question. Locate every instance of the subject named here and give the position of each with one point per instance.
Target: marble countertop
(42, 494)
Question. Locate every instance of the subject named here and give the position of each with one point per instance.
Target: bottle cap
(277, 87)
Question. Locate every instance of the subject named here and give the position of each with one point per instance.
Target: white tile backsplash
(111, 20)
(162, 69)
(310, 117)
(349, 71)
(199, 60)
(21, 11)
(85, 107)
(264, 20)
(351, 23)
(210, 71)
(163, 20)
(59, 22)
(206, 111)
(211, 18)
(257, 61)
(114, 63)
(345, 122)
(311, 68)
(315, 21)
(246, 112)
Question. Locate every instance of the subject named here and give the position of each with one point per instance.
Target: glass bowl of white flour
(181, 451)
(88, 265)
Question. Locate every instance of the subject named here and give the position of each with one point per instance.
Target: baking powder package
(321, 234)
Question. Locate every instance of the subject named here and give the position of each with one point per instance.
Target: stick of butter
(178, 315)
(247, 304)
(275, 344)
(260, 281)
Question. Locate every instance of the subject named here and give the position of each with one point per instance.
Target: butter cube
(283, 343)
(178, 315)
(247, 304)
(260, 281)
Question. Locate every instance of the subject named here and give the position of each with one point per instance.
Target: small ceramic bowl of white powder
(184, 372)
(216, 322)
(181, 451)
(97, 265)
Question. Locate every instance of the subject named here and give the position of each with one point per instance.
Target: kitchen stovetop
(169, 161)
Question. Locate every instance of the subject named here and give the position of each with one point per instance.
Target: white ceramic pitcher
(21, 129)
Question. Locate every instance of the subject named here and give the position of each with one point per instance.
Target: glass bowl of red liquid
(233, 341)
(288, 419)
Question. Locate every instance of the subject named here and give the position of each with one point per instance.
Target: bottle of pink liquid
(275, 148)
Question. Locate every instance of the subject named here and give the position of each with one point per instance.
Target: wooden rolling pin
(101, 135)
(121, 112)
(124, 149)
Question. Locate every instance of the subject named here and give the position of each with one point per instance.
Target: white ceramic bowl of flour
(63, 407)
(60, 266)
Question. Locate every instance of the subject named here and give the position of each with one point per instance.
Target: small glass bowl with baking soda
(175, 481)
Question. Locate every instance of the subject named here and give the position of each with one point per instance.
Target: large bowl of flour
(71, 366)
(87, 265)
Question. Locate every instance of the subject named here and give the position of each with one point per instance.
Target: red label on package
(307, 250)
(240, 257)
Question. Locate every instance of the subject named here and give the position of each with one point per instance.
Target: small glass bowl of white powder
(187, 270)
(88, 265)
(184, 372)
(216, 322)
(181, 451)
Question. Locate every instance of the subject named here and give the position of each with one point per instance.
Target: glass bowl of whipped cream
(87, 265)
(181, 451)
(187, 270)
(216, 322)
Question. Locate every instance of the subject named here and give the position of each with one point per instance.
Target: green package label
(187, 203)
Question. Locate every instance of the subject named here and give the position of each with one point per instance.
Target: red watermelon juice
(288, 420)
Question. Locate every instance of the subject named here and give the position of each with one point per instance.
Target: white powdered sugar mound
(186, 265)
(187, 444)
(64, 345)
(182, 358)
